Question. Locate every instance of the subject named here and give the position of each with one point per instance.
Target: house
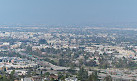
(71, 79)
(34, 78)
(37, 78)
(52, 76)
(26, 79)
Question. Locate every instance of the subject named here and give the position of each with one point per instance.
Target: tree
(42, 41)
(82, 74)
(61, 76)
(133, 80)
(6, 79)
(108, 78)
(12, 75)
(93, 76)
(47, 74)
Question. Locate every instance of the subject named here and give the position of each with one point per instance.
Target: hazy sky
(67, 11)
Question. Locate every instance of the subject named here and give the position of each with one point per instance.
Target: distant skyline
(67, 11)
